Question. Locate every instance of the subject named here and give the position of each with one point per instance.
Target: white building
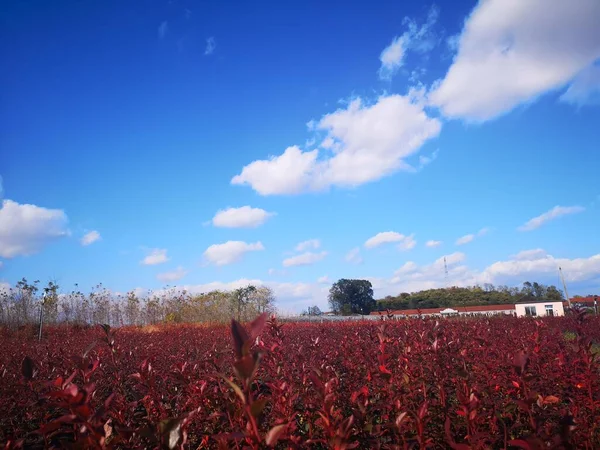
(539, 309)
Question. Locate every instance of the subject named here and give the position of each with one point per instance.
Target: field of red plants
(463, 384)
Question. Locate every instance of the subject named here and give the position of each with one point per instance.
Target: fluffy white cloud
(304, 259)
(538, 264)
(26, 229)
(554, 213)
(323, 280)
(230, 252)
(585, 88)
(289, 173)
(243, 217)
(367, 143)
(155, 256)
(386, 237)
(433, 244)
(419, 38)
(511, 51)
(174, 275)
(307, 245)
(530, 255)
(532, 265)
(470, 237)
(90, 238)
(353, 256)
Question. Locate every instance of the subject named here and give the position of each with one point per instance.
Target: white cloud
(323, 280)
(512, 51)
(392, 57)
(304, 259)
(554, 213)
(386, 237)
(155, 256)
(470, 237)
(419, 38)
(174, 275)
(243, 217)
(585, 88)
(528, 265)
(90, 238)
(163, 28)
(433, 244)
(230, 252)
(412, 277)
(307, 245)
(537, 264)
(367, 142)
(408, 243)
(530, 255)
(211, 45)
(426, 160)
(26, 229)
(353, 256)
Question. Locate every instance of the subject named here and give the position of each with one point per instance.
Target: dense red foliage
(466, 383)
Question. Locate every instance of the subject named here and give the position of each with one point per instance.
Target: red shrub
(463, 384)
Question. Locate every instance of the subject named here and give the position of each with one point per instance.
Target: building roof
(585, 300)
(535, 301)
(460, 309)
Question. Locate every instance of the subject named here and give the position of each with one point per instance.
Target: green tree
(351, 297)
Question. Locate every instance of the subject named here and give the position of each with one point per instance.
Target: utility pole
(565, 287)
(596, 304)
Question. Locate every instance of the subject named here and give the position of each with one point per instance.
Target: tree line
(488, 294)
(348, 297)
(21, 305)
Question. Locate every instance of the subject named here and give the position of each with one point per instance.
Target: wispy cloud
(174, 275)
(353, 256)
(155, 256)
(470, 237)
(433, 244)
(163, 29)
(90, 238)
(211, 45)
(418, 38)
(554, 213)
(304, 259)
(307, 245)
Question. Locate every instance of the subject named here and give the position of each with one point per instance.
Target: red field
(481, 383)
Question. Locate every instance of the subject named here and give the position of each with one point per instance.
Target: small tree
(351, 297)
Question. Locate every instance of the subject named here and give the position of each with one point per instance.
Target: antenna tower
(446, 272)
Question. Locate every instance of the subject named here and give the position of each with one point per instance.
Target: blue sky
(202, 144)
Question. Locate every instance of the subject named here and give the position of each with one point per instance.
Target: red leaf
(520, 443)
(257, 325)
(240, 337)
(274, 434)
(258, 406)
